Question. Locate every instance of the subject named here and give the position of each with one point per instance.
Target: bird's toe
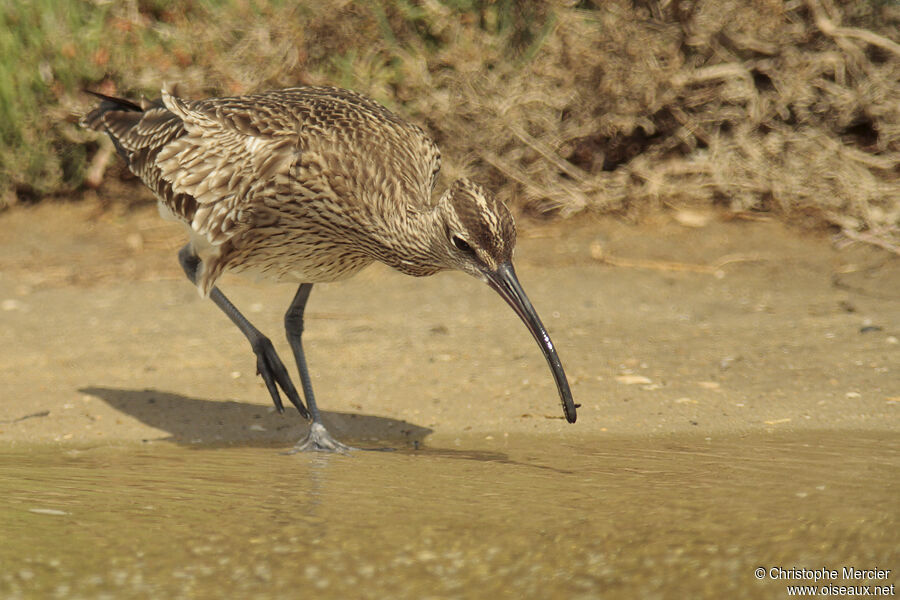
(319, 440)
(275, 375)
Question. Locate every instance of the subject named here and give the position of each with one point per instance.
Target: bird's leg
(268, 365)
(318, 437)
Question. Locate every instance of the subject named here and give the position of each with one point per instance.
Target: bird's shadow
(195, 421)
(199, 423)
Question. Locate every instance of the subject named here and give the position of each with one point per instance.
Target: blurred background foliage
(561, 107)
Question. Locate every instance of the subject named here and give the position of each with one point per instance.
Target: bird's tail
(115, 117)
(131, 126)
(95, 119)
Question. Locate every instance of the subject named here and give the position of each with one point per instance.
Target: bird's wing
(236, 148)
(212, 162)
(224, 157)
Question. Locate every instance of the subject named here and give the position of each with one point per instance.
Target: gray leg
(268, 365)
(318, 437)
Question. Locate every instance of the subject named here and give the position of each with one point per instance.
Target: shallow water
(513, 516)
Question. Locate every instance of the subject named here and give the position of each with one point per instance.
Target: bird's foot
(319, 440)
(274, 374)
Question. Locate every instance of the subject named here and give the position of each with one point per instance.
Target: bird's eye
(461, 244)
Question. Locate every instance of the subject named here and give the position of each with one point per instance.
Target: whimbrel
(308, 185)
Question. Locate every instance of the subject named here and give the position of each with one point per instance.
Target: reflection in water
(523, 517)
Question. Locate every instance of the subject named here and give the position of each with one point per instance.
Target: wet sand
(739, 385)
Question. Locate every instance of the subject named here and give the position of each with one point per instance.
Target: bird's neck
(407, 242)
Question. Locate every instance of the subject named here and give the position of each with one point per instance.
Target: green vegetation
(51, 49)
(751, 105)
(43, 45)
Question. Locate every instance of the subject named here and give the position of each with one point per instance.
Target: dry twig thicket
(765, 106)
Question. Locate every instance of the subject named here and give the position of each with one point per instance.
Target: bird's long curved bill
(505, 282)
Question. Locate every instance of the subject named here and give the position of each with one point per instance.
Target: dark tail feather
(135, 129)
(117, 103)
(94, 119)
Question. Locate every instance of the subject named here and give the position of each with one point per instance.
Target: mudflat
(733, 327)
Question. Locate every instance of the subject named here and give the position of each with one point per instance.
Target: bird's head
(479, 237)
(479, 230)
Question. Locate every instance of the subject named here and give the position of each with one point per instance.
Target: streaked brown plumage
(311, 184)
